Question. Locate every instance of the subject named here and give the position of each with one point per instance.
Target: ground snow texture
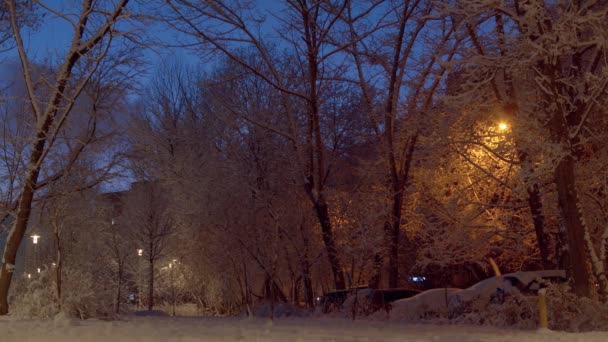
(242, 329)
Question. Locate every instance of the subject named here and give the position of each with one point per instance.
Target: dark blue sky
(51, 40)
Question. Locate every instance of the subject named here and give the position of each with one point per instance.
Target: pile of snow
(431, 304)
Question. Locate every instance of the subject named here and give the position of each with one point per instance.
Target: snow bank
(153, 329)
(429, 304)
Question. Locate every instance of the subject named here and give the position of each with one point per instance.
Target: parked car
(372, 300)
(364, 300)
(333, 300)
(453, 302)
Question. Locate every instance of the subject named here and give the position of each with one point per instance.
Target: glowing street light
(140, 252)
(35, 237)
(172, 276)
(503, 126)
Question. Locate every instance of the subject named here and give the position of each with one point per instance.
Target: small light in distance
(417, 279)
(502, 126)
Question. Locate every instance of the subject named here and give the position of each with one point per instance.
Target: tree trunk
(151, 285)
(119, 286)
(330, 243)
(536, 209)
(374, 281)
(19, 227)
(564, 177)
(575, 226)
(393, 228)
(247, 290)
(393, 232)
(59, 266)
(306, 273)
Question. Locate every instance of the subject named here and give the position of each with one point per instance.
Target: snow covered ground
(285, 329)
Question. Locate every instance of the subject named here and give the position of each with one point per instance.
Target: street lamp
(35, 237)
(174, 261)
(140, 253)
(503, 126)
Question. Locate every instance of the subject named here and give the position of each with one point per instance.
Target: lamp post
(140, 253)
(35, 237)
(172, 278)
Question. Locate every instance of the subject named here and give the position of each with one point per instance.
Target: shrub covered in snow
(516, 310)
(569, 312)
(81, 297)
(34, 297)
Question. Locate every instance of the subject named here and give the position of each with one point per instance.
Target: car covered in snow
(450, 302)
(363, 300)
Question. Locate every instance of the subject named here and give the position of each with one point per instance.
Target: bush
(566, 311)
(516, 311)
(35, 297)
(569, 312)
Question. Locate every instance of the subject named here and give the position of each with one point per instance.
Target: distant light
(35, 237)
(54, 264)
(29, 276)
(502, 126)
(417, 279)
(140, 252)
(38, 269)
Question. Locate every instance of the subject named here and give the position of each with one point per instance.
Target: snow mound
(429, 304)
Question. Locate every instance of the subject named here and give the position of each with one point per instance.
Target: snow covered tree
(301, 78)
(151, 225)
(543, 62)
(400, 74)
(94, 30)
